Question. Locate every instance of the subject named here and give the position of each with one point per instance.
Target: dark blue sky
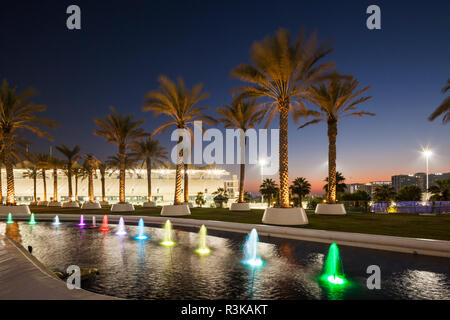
(125, 45)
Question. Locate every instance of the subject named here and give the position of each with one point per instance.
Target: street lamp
(427, 153)
(262, 163)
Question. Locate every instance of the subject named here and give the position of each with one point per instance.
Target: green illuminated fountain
(202, 246)
(32, 220)
(167, 239)
(10, 219)
(333, 271)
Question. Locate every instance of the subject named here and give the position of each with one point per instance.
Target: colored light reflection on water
(105, 227)
(251, 257)
(121, 228)
(32, 220)
(202, 246)
(10, 219)
(167, 238)
(141, 235)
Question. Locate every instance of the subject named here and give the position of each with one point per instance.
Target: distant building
(376, 184)
(367, 187)
(418, 179)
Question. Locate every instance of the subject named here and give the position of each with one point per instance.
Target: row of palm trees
(283, 75)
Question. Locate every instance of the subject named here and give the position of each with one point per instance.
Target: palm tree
(55, 163)
(121, 130)
(149, 152)
(440, 191)
(269, 189)
(102, 167)
(33, 173)
(301, 187)
(341, 186)
(180, 104)
(78, 172)
(90, 164)
(384, 193)
(444, 107)
(72, 155)
(242, 115)
(335, 99)
(282, 70)
(42, 160)
(220, 196)
(17, 113)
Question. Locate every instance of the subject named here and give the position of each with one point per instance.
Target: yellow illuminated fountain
(167, 239)
(202, 246)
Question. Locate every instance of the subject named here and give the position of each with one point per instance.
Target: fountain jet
(202, 246)
(167, 239)
(141, 235)
(82, 223)
(10, 219)
(56, 221)
(121, 229)
(104, 226)
(333, 270)
(94, 225)
(32, 220)
(251, 257)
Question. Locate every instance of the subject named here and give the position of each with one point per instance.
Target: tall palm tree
(72, 155)
(17, 113)
(32, 173)
(444, 107)
(55, 163)
(121, 130)
(384, 193)
(282, 70)
(90, 165)
(42, 160)
(301, 187)
(335, 99)
(243, 115)
(150, 153)
(341, 186)
(78, 172)
(180, 104)
(102, 166)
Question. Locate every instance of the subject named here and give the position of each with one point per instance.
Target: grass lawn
(402, 225)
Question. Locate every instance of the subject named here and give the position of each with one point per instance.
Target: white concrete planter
(240, 207)
(20, 209)
(54, 204)
(189, 204)
(122, 207)
(176, 210)
(149, 204)
(42, 203)
(104, 203)
(91, 205)
(336, 209)
(285, 216)
(70, 204)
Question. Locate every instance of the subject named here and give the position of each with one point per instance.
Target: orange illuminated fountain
(104, 226)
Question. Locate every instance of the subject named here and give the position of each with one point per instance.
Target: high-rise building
(418, 179)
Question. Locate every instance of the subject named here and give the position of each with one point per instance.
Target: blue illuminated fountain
(141, 235)
(56, 221)
(251, 257)
(121, 228)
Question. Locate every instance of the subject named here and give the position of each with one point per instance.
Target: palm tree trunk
(332, 134)
(177, 198)
(69, 179)
(186, 183)
(44, 183)
(10, 194)
(1, 187)
(241, 183)
(55, 184)
(91, 186)
(103, 186)
(283, 156)
(35, 186)
(149, 179)
(122, 174)
(76, 187)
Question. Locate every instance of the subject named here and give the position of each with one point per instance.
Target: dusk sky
(123, 46)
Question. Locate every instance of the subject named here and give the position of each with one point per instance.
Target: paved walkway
(22, 277)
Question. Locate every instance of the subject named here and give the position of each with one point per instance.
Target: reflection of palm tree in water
(12, 231)
(287, 251)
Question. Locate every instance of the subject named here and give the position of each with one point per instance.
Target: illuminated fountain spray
(82, 223)
(167, 239)
(141, 235)
(202, 247)
(104, 226)
(251, 257)
(56, 221)
(32, 220)
(121, 228)
(333, 270)
(94, 225)
(10, 219)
